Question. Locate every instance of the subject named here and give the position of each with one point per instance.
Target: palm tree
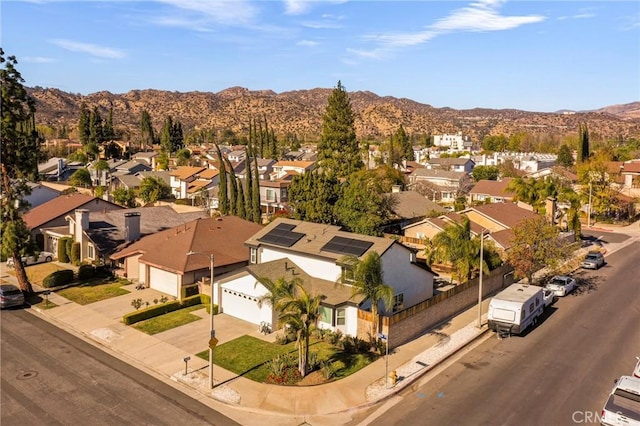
(297, 309)
(455, 245)
(366, 279)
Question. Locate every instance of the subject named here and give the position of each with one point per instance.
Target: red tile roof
(57, 207)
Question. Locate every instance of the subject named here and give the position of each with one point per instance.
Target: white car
(623, 405)
(561, 285)
(43, 256)
(547, 297)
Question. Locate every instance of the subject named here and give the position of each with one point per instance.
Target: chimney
(395, 189)
(131, 227)
(82, 221)
(550, 208)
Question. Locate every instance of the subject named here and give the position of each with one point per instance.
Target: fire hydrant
(394, 377)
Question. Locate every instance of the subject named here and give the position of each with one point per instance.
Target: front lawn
(168, 321)
(249, 357)
(37, 273)
(94, 290)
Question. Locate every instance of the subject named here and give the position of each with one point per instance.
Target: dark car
(10, 295)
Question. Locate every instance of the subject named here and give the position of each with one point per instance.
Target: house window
(271, 195)
(341, 316)
(90, 252)
(348, 275)
(254, 255)
(398, 302)
(325, 314)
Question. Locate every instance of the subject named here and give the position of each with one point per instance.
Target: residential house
(116, 168)
(149, 158)
(274, 194)
(490, 191)
(455, 142)
(314, 253)
(181, 178)
(265, 168)
(444, 185)
(160, 260)
(53, 213)
(282, 168)
(408, 207)
(40, 194)
(465, 165)
(528, 162)
(626, 176)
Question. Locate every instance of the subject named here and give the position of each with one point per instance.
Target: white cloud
(482, 15)
(38, 59)
(307, 43)
(92, 49)
(228, 12)
(583, 13)
(296, 7)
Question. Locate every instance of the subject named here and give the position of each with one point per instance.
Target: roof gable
(59, 206)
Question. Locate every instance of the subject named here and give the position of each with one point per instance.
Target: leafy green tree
(366, 278)
(223, 199)
(92, 150)
(565, 158)
(313, 196)
(399, 147)
(79, 156)
(112, 150)
(124, 196)
(21, 146)
(81, 177)
(535, 245)
(183, 157)
(363, 206)
(298, 310)
(485, 173)
(495, 143)
(338, 150)
(153, 189)
(583, 143)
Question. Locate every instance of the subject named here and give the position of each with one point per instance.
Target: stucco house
(160, 260)
(313, 252)
(491, 191)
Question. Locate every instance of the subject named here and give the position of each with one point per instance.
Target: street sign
(212, 343)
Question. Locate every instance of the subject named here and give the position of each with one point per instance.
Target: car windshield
(591, 257)
(557, 281)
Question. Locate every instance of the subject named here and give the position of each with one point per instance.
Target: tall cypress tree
(249, 178)
(108, 131)
(233, 189)
(147, 136)
(583, 143)
(95, 127)
(241, 210)
(338, 151)
(255, 188)
(223, 199)
(84, 124)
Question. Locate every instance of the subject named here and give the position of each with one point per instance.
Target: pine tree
(338, 151)
(108, 131)
(223, 200)
(95, 127)
(249, 178)
(147, 136)
(255, 188)
(19, 163)
(241, 210)
(233, 189)
(166, 143)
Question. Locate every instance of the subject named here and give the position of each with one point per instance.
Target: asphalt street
(50, 377)
(559, 373)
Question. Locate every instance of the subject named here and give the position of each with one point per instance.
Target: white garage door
(240, 305)
(163, 281)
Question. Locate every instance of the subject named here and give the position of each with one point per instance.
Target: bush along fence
(66, 276)
(166, 307)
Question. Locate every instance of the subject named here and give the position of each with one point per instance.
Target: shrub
(58, 278)
(102, 271)
(63, 255)
(192, 301)
(205, 299)
(190, 290)
(86, 271)
(354, 345)
(281, 339)
(328, 369)
(314, 362)
(75, 253)
(68, 244)
(277, 365)
(150, 312)
(333, 337)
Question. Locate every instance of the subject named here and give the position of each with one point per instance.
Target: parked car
(593, 260)
(623, 405)
(547, 297)
(561, 285)
(10, 295)
(43, 256)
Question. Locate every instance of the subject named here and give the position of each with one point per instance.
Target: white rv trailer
(515, 308)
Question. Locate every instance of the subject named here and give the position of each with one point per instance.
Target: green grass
(168, 321)
(248, 357)
(94, 290)
(41, 302)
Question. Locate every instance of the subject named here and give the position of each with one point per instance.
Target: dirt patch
(313, 378)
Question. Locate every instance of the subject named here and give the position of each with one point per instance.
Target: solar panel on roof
(347, 246)
(282, 236)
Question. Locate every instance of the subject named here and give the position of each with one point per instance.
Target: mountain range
(300, 112)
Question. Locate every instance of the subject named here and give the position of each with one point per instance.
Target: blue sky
(530, 55)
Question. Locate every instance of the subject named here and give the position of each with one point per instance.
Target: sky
(528, 55)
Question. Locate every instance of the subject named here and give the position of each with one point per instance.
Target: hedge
(157, 310)
(75, 253)
(63, 255)
(86, 271)
(58, 278)
(151, 311)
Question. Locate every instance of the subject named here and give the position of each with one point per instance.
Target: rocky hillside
(301, 111)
